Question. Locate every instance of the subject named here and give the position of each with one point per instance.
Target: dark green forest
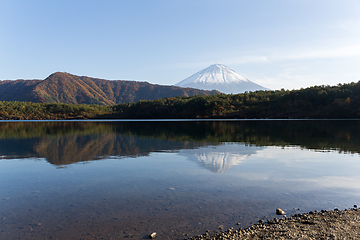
(340, 101)
(49, 111)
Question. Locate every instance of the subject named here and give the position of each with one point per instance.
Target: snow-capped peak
(221, 78)
(214, 74)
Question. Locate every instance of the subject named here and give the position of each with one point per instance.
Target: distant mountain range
(221, 78)
(61, 87)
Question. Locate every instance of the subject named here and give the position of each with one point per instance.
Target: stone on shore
(279, 211)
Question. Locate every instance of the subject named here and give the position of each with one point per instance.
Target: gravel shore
(334, 224)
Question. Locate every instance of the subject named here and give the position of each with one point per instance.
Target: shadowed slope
(19, 90)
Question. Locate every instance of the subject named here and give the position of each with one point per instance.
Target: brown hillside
(67, 88)
(63, 87)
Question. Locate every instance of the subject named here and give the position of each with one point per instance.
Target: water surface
(116, 180)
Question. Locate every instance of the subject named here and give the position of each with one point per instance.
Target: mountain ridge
(62, 87)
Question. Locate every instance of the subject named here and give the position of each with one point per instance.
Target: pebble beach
(324, 224)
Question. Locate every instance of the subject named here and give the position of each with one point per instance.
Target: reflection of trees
(67, 142)
(343, 136)
(12, 130)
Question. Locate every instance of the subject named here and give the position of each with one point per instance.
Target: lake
(127, 179)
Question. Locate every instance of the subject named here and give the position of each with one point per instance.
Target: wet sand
(324, 224)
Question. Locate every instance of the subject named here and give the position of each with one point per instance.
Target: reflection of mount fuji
(64, 143)
(220, 158)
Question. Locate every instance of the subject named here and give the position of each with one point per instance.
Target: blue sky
(276, 43)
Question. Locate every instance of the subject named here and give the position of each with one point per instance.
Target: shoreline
(325, 224)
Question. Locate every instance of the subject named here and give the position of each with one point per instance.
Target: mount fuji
(221, 78)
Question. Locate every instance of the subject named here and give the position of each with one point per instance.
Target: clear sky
(276, 43)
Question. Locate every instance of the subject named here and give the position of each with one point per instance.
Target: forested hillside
(62, 87)
(341, 101)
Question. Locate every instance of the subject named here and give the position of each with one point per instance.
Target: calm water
(118, 180)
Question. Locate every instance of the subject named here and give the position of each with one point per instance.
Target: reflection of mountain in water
(69, 142)
(220, 158)
(68, 149)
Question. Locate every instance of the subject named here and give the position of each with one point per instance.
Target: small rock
(279, 211)
(153, 235)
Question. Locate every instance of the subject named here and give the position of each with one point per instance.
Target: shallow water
(116, 180)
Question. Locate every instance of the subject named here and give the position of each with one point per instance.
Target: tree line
(16, 110)
(340, 101)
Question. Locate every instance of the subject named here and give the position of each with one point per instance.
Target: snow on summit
(221, 78)
(215, 74)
